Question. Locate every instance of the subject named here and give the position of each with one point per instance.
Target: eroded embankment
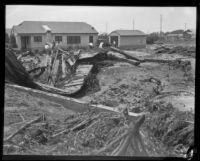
(118, 85)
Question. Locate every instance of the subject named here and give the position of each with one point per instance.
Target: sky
(107, 19)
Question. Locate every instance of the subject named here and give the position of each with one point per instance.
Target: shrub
(151, 38)
(13, 41)
(7, 38)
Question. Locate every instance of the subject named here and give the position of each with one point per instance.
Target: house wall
(133, 41)
(18, 41)
(38, 45)
(84, 39)
(63, 44)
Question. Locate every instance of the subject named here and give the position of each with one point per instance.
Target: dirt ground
(121, 85)
(126, 85)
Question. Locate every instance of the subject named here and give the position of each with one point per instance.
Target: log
(170, 93)
(132, 139)
(129, 61)
(125, 54)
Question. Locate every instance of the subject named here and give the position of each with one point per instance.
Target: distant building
(33, 35)
(128, 38)
(190, 34)
(174, 37)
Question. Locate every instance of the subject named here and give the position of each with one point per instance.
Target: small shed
(128, 38)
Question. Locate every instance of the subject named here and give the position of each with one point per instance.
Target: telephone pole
(185, 26)
(106, 26)
(133, 24)
(160, 24)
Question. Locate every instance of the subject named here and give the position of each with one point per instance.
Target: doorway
(25, 42)
(114, 38)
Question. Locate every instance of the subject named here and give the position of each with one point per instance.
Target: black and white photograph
(99, 81)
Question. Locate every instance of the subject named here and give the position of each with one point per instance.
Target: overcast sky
(146, 19)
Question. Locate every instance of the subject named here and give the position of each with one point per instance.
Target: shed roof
(129, 32)
(56, 27)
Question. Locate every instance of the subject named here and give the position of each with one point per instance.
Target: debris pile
(29, 60)
(185, 51)
(88, 133)
(103, 133)
(170, 126)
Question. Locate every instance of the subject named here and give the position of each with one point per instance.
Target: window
(58, 38)
(73, 39)
(91, 39)
(37, 38)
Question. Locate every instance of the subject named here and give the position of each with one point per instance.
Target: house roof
(129, 32)
(55, 27)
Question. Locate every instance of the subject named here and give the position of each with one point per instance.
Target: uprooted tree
(15, 72)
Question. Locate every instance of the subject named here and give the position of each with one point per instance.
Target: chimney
(48, 33)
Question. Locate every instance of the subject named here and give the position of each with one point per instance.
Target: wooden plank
(50, 81)
(75, 81)
(73, 84)
(63, 67)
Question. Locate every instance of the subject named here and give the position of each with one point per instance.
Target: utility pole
(160, 24)
(185, 26)
(106, 26)
(133, 24)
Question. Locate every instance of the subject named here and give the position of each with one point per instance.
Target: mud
(120, 85)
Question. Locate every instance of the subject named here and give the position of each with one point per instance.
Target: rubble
(170, 49)
(142, 86)
(90, 132)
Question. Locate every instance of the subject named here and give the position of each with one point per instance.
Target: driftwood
(77, 127)
(23, 127)
(170, 93)
(145, 59)
(125, 54)
(131, 143)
